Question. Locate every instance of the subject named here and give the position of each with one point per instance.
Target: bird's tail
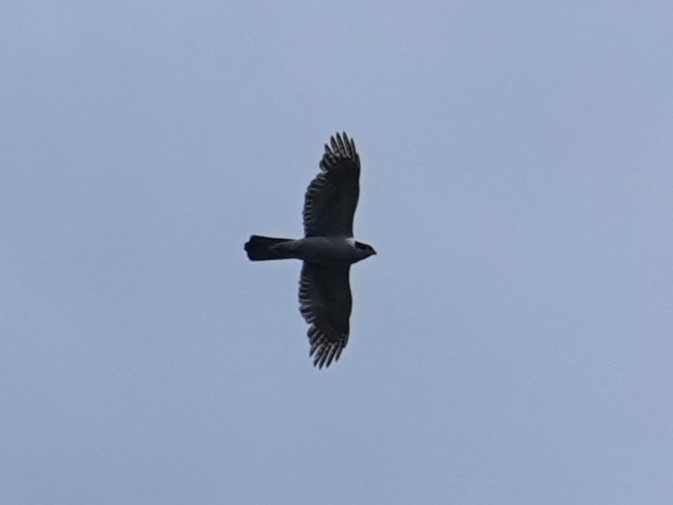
(262, 248)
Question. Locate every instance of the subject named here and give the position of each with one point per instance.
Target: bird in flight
(328, 250)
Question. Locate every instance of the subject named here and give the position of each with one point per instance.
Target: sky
(511, 341)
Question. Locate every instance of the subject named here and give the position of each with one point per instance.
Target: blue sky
(511, 342)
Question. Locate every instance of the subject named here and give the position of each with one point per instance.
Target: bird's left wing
(325, 302)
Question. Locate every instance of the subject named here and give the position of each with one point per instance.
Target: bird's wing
(332, 196)
(325, 302)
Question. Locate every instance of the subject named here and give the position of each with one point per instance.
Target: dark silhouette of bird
(328, 250)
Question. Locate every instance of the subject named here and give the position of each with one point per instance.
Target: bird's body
(328, 249)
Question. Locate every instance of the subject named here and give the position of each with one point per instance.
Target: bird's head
(364, 250)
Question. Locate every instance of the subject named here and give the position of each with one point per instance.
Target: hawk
(328, 250)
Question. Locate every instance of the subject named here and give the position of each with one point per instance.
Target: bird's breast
(326, 250)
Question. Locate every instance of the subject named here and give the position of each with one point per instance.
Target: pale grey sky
(511, 342)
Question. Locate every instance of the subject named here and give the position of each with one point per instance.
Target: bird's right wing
(325, 302)
(331, 198)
